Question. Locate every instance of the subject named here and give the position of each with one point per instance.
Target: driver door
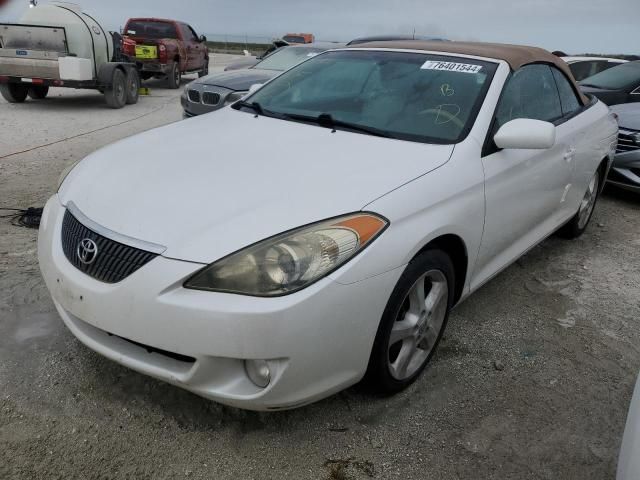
(525, 190)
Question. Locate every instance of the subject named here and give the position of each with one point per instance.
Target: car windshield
(286, 57)
(151, 29)
(410, 96)
(620, 77)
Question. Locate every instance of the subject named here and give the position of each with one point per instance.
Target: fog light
(258, 372)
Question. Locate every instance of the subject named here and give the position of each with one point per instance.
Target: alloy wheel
(588, 201)
(417, 327)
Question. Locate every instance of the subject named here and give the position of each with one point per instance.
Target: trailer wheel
(38, 92)
(174, 77)
(116, 93)
(14, 92)
(133, 86)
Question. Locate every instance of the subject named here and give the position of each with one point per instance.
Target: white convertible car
(347, 206)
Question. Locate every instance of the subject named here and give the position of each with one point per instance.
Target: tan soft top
(515, 55)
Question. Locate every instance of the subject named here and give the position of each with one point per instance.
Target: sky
(574, 26)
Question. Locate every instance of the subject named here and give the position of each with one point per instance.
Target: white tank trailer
(59, 45)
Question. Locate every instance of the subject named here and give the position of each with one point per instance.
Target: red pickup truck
(165, 49)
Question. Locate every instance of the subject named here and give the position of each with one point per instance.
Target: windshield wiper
(590, 85)
(255, 106)
(326, 120)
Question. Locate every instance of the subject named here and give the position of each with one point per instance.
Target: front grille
(194, 96)
(627, 141)
(113, 261)
(210, 98)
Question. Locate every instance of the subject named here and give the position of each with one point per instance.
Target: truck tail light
(162, 53)
(129, 46)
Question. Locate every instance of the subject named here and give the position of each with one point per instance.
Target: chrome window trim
(111, 235)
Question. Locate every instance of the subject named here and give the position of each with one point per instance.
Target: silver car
(625, 171)
(214, 91)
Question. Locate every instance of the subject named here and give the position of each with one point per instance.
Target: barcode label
(451, 66)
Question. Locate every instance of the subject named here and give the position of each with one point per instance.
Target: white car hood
(208, 186)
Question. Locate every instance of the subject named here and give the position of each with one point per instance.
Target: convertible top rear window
(410, 96)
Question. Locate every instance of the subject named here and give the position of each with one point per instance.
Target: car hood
(207, 186)
(238, 80)
(628, 115)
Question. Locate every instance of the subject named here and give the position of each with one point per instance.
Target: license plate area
(146, 51)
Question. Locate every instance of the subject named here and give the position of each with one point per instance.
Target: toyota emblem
(87, 251)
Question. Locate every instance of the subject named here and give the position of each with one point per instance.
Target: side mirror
(203, 39)
(525, 133)
(254, 87)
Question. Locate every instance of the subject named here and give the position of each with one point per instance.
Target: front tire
(412, 323)
(14, 92)
(205, 69)
(578, 224)
(39, 92)
(175, 76)
(116, 93)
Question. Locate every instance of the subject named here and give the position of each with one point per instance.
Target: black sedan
(620, 84)
(214, 91)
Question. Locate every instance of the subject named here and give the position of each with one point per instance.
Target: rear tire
(578, 224)
(14, 92)
(174, 77)
(412, 323)
(39, 92)
(116, 93)
(133, 86)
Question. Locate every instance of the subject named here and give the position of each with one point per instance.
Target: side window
(187, 33)
(531, 92)
(193, 32)
(582, 70)
(600, 66)
(568, 98)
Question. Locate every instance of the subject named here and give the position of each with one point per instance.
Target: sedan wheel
(413, 322)
(578, 224)
(588, 202)
(415, 332)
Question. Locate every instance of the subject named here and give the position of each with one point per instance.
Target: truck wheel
(38, 92)
(174, 77)
(116, 93)
(205, 69)
(133, 86)
(14, 92)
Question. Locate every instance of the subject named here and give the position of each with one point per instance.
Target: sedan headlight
(234, 97)
(293, 260)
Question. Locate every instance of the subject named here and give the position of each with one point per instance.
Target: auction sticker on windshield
(451, 66)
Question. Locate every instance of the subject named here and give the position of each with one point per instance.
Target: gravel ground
(532, 380)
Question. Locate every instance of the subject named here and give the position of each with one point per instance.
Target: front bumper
(625, 171)
(317, 341)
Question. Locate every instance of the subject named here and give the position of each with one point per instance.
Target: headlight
(290, 261)
(234, 97)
